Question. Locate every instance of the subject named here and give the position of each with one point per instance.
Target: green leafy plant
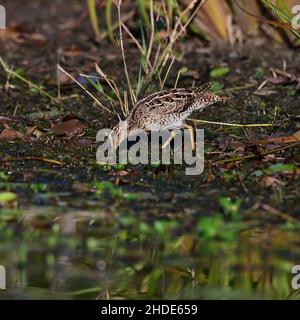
(114, 191)
(231, 207)
(6, 197)
(219, 72)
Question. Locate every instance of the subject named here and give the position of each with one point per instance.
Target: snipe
(167, 109)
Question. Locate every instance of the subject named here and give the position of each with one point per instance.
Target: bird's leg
(191, 129)
(173, 134)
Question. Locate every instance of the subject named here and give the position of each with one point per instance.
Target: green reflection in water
(89, 255)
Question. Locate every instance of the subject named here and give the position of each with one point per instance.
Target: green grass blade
(108, 18)
(94, 17)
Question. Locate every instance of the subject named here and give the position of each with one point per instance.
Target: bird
(166, 109)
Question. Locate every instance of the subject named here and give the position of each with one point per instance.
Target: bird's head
(210, 98)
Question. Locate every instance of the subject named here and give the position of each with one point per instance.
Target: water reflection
(90, 256)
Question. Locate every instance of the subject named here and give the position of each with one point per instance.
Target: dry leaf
(272, 182)
(69, 128)
(11, 134)
(72, 52)
(20, 32)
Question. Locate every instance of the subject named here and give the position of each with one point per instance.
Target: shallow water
(79, 254)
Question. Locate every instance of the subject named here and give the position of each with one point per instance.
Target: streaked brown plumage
(167, 109)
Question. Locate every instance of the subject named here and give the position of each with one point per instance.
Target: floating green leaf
(210, 226)
(217, 86)
(3, 176)
(112, 190)
(230, 206)
(6, 197)
(280, 167)
(219, 72)
(259, 74)
(292, 91)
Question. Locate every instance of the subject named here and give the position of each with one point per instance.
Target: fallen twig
(251, 125)
(251, 156)
(32, 158)
(278, 213)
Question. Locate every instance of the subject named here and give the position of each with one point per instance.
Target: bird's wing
(168, 101)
